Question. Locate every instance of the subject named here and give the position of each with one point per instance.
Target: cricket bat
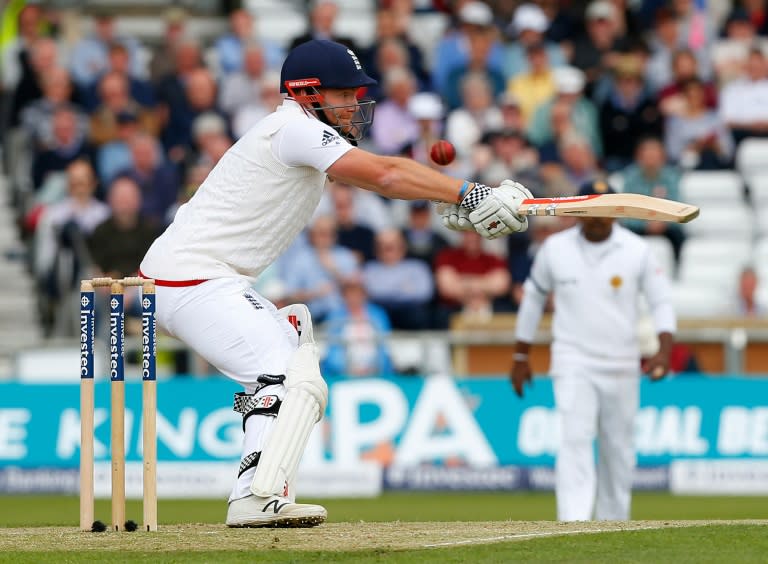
(636, 206)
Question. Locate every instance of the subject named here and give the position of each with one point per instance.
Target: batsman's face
(344, 102)
(596, 229)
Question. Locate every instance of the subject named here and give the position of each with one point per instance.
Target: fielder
(249, 209)
(595, 272)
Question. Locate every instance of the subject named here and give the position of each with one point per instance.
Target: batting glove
(496, 214)
(456, 218)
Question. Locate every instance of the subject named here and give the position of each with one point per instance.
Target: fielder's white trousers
(240, 333)
(594, 405)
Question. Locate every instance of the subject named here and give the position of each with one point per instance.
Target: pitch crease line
(535, 535)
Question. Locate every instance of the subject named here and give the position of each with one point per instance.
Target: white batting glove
(496, 214)
(456, 218)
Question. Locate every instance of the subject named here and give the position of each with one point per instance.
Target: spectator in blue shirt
(356, 332)
(229, 48)
(314, 275)
(650, 175)
(402, 286)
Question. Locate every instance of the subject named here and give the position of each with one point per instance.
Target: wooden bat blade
(636, 206)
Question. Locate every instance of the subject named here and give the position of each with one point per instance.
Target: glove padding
(497, 215)
(456, 218)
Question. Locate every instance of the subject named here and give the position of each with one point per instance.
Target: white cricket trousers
(240, 333)
(594, 405)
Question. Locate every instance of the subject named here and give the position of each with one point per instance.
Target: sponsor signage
(425, 433)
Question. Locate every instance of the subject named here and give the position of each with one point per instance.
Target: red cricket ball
(442, 152)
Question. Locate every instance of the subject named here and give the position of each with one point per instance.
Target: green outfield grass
(21, 511)
(399, 527)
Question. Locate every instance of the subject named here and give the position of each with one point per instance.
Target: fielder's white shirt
(253, 204)
(596, 288)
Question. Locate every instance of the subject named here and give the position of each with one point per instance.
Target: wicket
(117, 399)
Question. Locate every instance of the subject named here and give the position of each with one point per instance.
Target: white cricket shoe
(298, 315)
(273, 511)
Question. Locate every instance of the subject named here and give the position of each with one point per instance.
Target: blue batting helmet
(333, 64)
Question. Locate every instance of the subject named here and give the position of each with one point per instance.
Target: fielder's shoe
(273, 511)
(298, 315)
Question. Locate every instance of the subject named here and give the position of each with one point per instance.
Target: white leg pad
(303, 405)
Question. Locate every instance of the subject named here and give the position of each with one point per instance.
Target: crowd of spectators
(551, 94)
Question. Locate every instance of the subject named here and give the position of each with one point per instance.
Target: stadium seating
(698, 187)
(711, 263)
(717, 220)
(752, 157)
(662, 250)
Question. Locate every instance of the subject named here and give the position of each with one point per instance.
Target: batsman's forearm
(395, 177)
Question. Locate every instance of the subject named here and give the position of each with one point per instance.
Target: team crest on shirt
(616, 282)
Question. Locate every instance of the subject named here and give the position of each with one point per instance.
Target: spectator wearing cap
(390, 26)
(322, 20)
(744, 102)
(650, 175)
(535, 86)
(698, 138)
(394, 126)
(423, 242)
(528, 27)
(230, 48)
(478, 62)
(115, 98)
(211, 138)
(627, 114)
(593, 51)
(89, 58)
(452, 51)
(511, 112)
(402, 286)
(466, 125)
(428, 111)
(569, 86)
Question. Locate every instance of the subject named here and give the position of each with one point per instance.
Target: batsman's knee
(303, 374)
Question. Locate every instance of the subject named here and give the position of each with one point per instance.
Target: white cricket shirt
(596, 288)
(254, 202)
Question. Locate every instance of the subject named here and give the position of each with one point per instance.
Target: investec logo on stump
(85, 327)
(115, 315)
(146, 352)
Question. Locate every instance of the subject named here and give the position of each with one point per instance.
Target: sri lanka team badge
(616, 282)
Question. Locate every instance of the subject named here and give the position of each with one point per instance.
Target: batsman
(248, 210)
